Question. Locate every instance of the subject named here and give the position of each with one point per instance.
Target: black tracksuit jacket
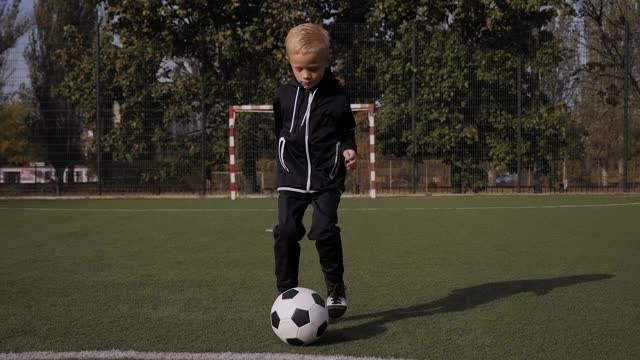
(309, 150)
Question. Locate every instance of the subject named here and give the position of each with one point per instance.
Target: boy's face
(308, 68)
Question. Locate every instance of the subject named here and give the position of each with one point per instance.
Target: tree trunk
(587, 165)
(491, 177)
(71, 178)
(59, 179)
(551, 178)
(537, 180)
(604, 177)
(621, 174)
(565, 180)
(456, 179)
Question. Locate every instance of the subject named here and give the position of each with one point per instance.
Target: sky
(15, 58)
(27, 5)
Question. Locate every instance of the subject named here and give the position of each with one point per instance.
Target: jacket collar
(327, 80)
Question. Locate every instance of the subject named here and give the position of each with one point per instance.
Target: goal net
(252, 151)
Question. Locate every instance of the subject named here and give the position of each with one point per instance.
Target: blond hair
(307, 38)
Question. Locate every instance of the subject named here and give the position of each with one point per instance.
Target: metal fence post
(203, 126)
(627, 72)
(98, 122)
(519, 125)
(413, 108)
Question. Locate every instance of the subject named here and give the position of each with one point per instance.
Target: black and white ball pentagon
(299, 316)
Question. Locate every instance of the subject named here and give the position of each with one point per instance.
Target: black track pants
(324, 230)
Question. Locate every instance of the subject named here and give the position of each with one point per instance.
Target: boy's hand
(350, 158)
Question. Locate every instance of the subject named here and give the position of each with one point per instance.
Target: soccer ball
(299, 316)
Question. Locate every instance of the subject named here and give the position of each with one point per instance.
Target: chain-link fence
(86, 112)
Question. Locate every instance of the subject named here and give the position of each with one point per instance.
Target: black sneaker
(336, 301)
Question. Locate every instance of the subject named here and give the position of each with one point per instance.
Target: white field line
(117, 354)
(134, 210)
(568, 206)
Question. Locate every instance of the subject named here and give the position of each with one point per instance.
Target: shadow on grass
(459, 300)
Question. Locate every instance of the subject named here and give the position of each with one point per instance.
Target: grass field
(514, 277)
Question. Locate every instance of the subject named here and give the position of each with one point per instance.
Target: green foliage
(545, 141)
(57, 124)
(467, 56)
(16, 147)
(173, 67)
(176, 67)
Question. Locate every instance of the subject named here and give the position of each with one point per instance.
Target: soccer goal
(236, 184)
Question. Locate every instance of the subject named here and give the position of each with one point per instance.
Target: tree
(198, 58)
(56, 125)
(466, 67)
(603, 36)
(15, 146)
(601, 107)
(11, 28)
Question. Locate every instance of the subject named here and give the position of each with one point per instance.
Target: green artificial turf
(459, 277)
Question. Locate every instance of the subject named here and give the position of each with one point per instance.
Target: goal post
(235, 109)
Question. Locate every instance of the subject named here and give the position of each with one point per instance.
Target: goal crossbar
(233, 109)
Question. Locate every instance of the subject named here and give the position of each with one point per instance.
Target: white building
(38, 173)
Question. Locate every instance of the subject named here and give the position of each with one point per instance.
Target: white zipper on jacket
(306, 113)
(305, 120)
(334, 169)
(293, 117)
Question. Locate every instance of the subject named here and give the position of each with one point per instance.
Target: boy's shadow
(458, 300)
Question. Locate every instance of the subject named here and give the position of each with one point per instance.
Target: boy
(315, 129)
